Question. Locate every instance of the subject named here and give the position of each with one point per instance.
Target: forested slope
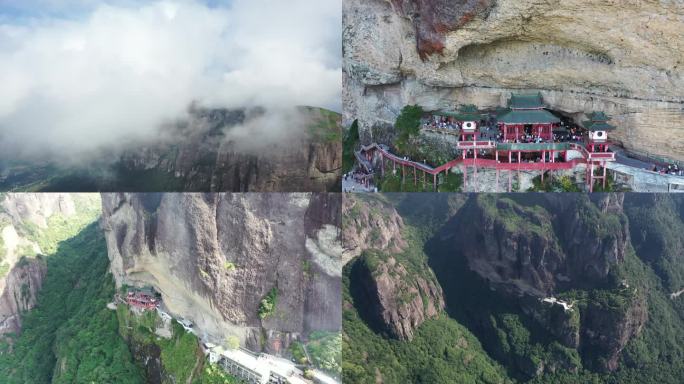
(554, 289)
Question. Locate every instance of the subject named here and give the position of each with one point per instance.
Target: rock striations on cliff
(241, 150)
(392, 293)
(624, 58)
(214, 257)
(535, 250)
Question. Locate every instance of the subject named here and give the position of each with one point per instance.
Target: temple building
(597, 127)
(529, 138)
(143, 298)
(527, 116)
(467, 119)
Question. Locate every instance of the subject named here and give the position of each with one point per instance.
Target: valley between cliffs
(528, 288)
(213, 258)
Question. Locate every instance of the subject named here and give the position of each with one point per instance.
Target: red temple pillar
(604, 176)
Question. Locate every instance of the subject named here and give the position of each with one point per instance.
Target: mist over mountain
(86, 81)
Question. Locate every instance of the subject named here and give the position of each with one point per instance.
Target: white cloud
(75, 85)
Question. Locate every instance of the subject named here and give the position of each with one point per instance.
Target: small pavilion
(526, 115)
(467, 117)
(597, 127)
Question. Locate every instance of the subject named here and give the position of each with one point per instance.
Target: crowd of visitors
(670, 169)
(357, 181)
(441, 122)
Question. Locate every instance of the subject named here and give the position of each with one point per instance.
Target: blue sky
(18, 11)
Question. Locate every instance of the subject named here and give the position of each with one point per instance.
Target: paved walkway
(350, 185)
(623, 159)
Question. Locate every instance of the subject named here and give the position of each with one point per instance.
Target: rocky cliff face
(392, 293)
(531, 248)
(370, 224)
(238, 150)
(21, 287)
(394, 299)
(525, 249)
(606, 331)
(214, 257)
(622, 58)
(21, 273)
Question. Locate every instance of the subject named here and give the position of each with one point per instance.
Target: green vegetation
(554, 183)
(451, 182)
(517, 218)
(213, 374)
(142, 180)
(233, 342)
(229, 266)
(325, 349)
(349, 144)
(407, 126)
(393, 183)
(180, 355)
(267, 306)
(61, 227)
(297, 352)
(306, 267)
(3, 251)
(442, 351)
(657, 228)
(611, 186)
(309, 374)
(4, 269)
(70, 336)
(325, 126)
(523, 341)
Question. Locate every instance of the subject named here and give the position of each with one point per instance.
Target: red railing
(475, 144)
(602, 155)
(491, 163)
(485, 163)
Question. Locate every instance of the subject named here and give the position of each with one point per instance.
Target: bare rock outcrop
(370, 223)
(622, 58)
(394, 299)
(214, 257)
(22, 284)
(395, 296)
